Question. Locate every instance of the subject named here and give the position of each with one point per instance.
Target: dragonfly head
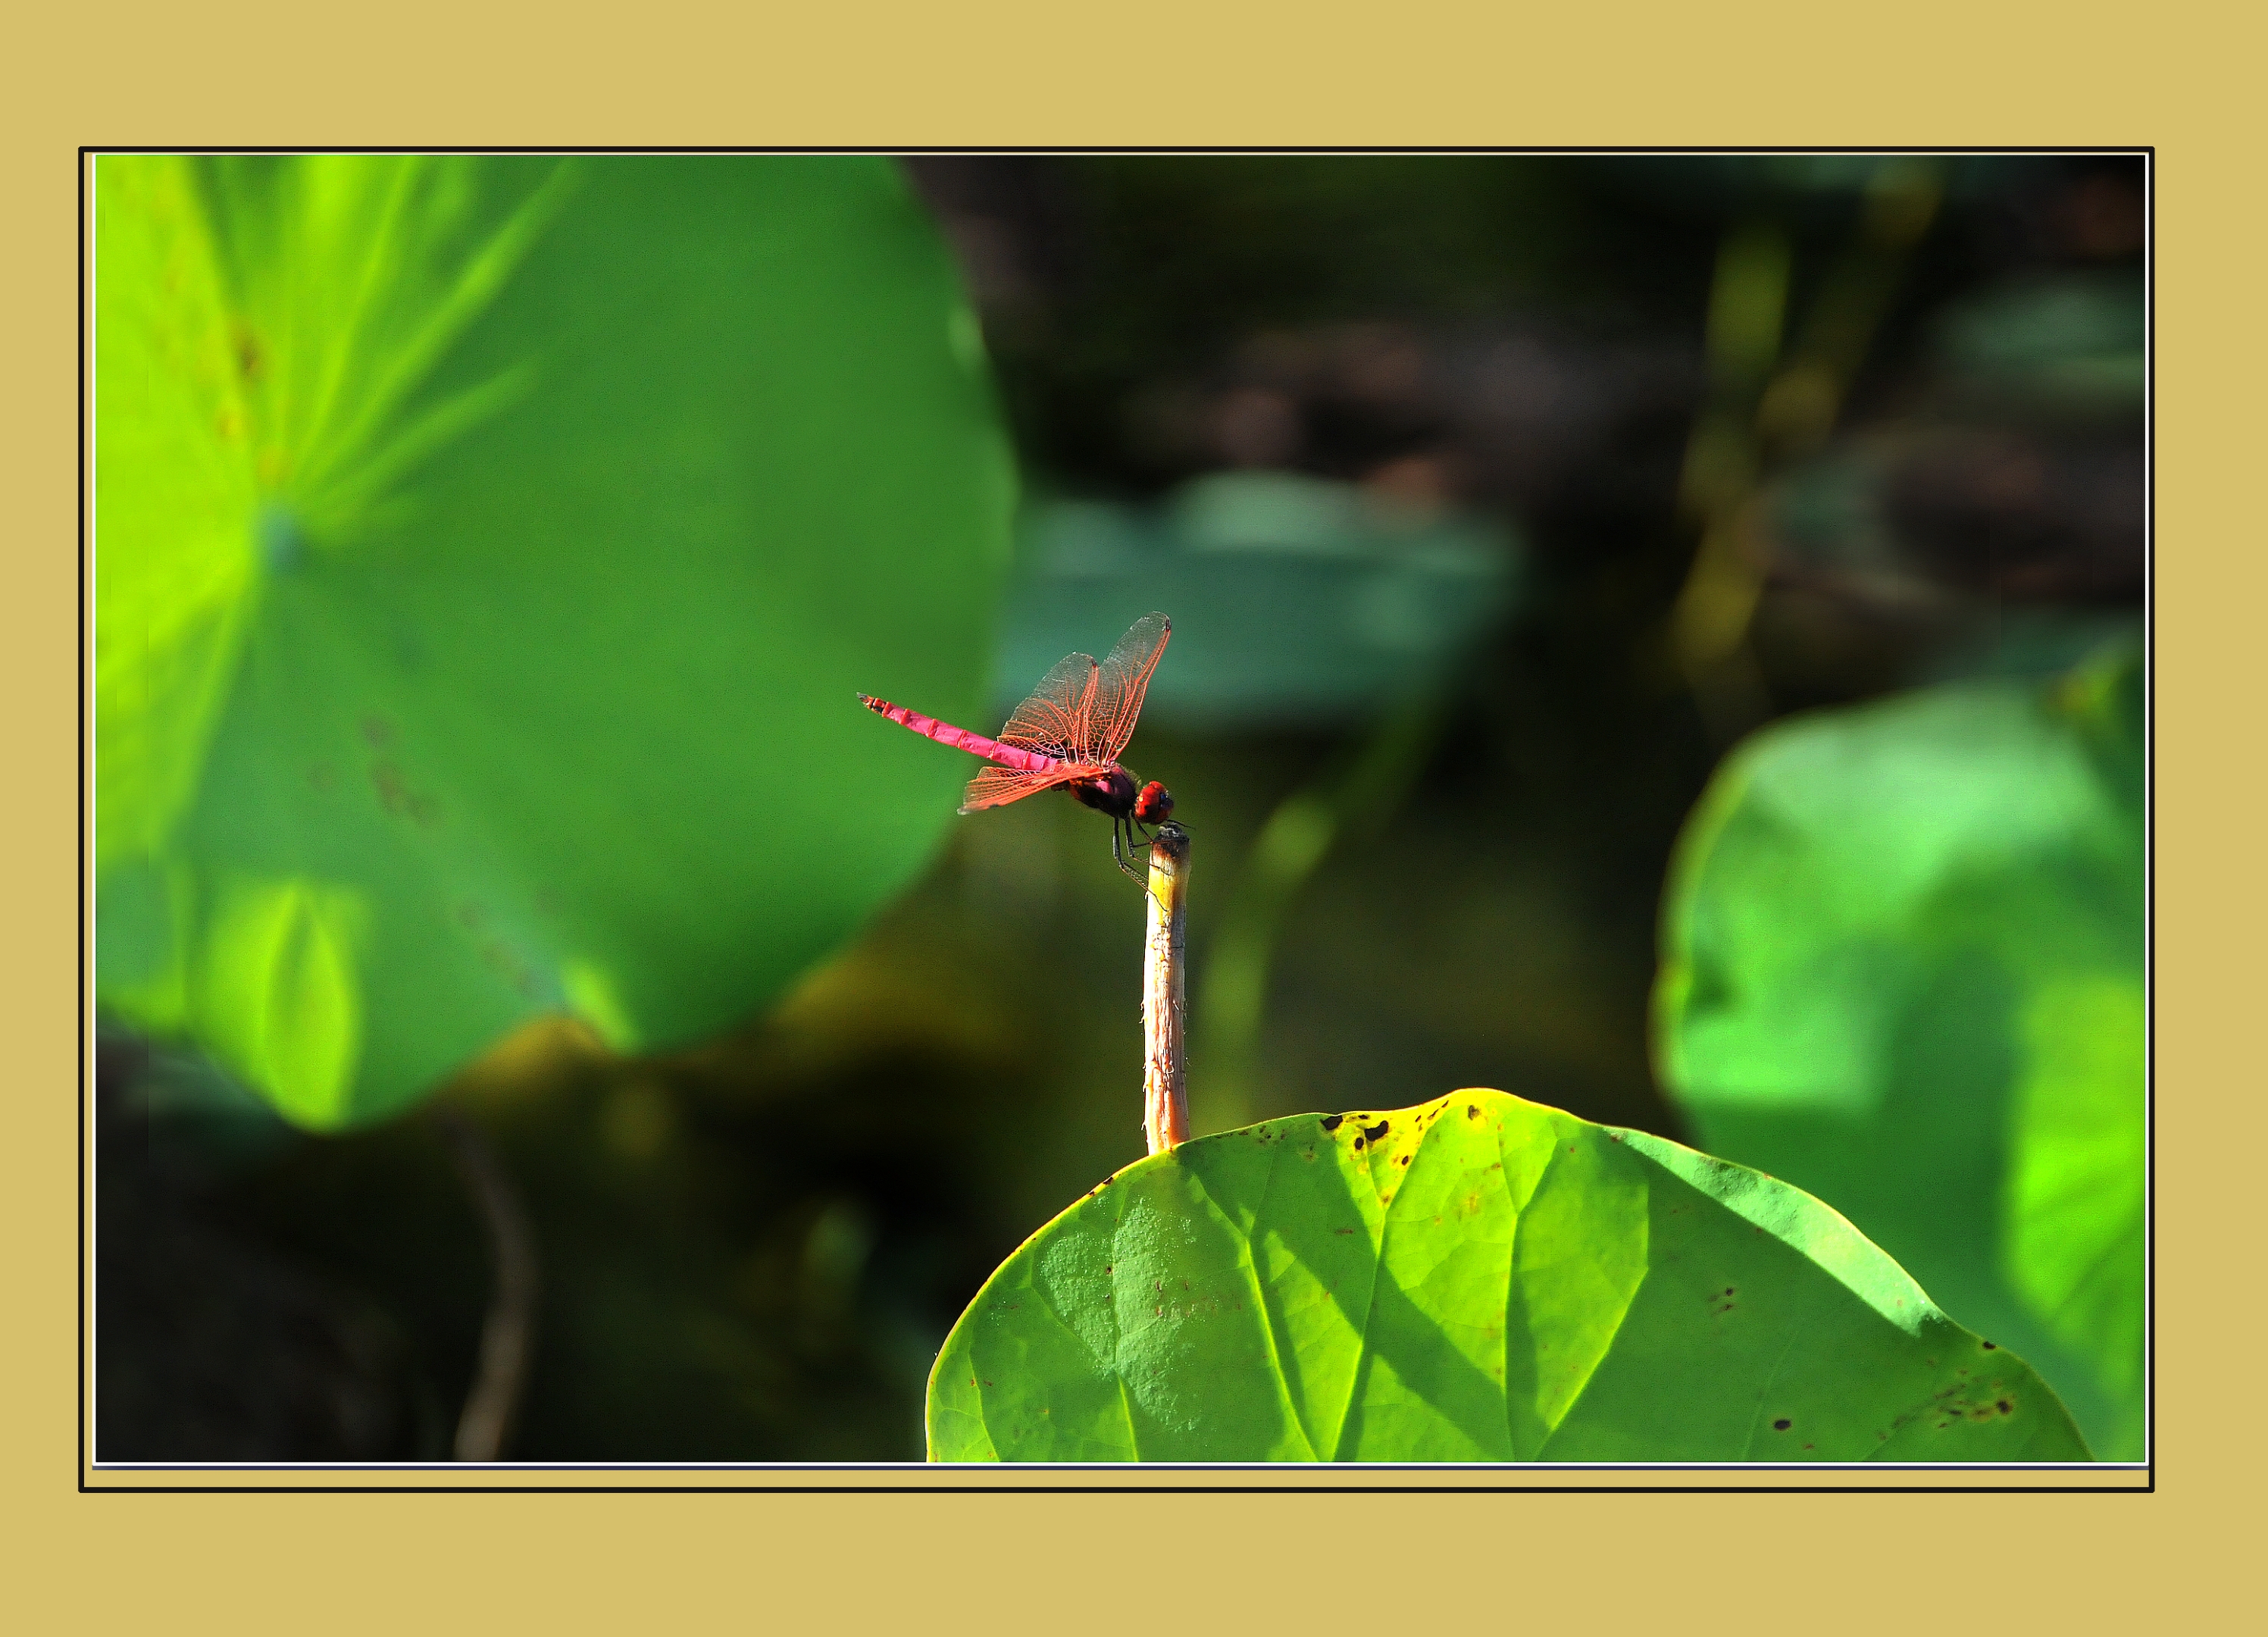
(1153, 804)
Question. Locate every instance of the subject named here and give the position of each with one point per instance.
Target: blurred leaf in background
(2001, 504)
(488, 549)
(1308, 602)
(1903, 968)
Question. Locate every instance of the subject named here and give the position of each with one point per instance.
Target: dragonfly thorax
(1115, 792)
(1112, 792)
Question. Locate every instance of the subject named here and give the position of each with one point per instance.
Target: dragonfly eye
(1153, 804)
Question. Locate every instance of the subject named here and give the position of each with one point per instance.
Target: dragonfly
(1068, 735)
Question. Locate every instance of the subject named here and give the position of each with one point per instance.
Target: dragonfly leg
(1118, 857)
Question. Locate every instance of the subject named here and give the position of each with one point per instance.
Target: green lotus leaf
(487, 551)
(1903, 969)
(1478, 1279)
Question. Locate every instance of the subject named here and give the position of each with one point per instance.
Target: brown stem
(508, 1334)
(1164, 960)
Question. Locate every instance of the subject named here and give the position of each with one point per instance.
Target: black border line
(2146, 152)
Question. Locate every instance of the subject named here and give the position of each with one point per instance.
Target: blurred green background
(1494, 500)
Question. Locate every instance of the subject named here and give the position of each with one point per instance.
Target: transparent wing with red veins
(997, 786)
(1058, 718)
(1124, 679)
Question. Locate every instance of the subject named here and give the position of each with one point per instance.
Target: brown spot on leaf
(249, 358)
(1376, 1132)
(1331, 1121)
(1782, 1425)
(392, 794)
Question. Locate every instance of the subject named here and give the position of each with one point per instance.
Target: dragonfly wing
(1050, 720)
(997, 786)
(1124, 679)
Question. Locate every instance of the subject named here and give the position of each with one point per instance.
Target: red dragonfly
(1068, 735)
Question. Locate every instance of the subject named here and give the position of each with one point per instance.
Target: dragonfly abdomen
(960, 738)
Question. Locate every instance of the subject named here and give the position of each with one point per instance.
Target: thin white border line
(90, 963)
(956, 152)
(2149, 802)
(1541, 1468)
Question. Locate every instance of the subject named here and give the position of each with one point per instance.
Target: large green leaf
(176, 495)
(487, 552)
(1480, 1278)
(1903, 968)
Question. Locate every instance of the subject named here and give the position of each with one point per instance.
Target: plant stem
(508, 1334)
(1165, 961)
(1772, 403)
